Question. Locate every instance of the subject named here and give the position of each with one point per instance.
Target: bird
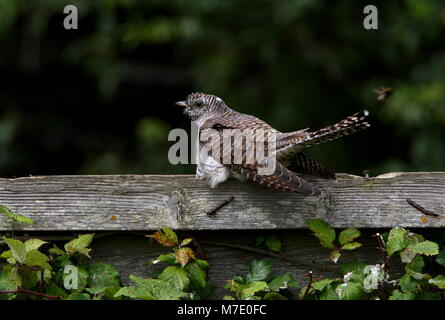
(212, 114)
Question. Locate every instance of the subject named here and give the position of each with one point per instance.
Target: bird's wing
(237, 157)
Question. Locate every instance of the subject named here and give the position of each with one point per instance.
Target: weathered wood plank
(147, 202)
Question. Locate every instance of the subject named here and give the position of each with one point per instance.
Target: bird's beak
(181, 104)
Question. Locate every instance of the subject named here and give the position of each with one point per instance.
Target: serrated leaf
(102, 275)
(6, 284)
(274, 296)
(355, 269)
(349, 291)
(184, 255)
(259, 270)
(34, 244)
(176, 276)
(438, 281)
(253, 288)
(282, 282)
(14, 216)
(407, 255)
(273, 243)
(396, 240)
(56, 250)
(196, 274)
(351, 246)
(17, 248)
(80, 245)
(323, 231)
(407, 283)
(228, 298)
(38, 259)
(165, 237)
(167, 257)
(427, 248)
(186, 241)
(398, 295)
(335, 255)
(151, 289)
(348, 235)
(79, 279)
(78, 296)
(440, 259)
(416, 264)
(321, 284)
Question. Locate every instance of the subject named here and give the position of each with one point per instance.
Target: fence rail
(148, 202)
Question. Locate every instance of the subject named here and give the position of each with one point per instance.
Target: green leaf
(416, 264)
(440, 259)
(253, 288)
(34, 244)
(356, 269)
(80, 245)
(351, 246)
(54, 290)
(323, 231)
(169, 258)
(176, 277)
(273, 243)
(349, 291)
(259, 270)
(196, 274)
(348, 235)
(18, 249)
(7, 284)
(427, 295)
(151, 289)
(407, 255)
(186, 241)
(282, 282)
(408, 283)
(438, 281)
(335, 255)
(398, 295)
(260, 240)
(321, 284)
(36, 258)
(274, 296)
(81, 275)
(396, 240)
(427, 248)
(103, 275)
(56, 251)
(228, 298)
(78, 296)
(15, 217)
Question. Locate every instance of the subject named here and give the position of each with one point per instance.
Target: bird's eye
(199, 103)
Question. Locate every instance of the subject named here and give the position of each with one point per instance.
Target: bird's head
(198, 105)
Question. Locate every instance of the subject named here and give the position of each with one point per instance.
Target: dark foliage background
(100, 99)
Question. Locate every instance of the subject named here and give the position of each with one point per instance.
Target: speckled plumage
(210, 112)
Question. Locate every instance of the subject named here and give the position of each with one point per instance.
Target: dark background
(99, 100)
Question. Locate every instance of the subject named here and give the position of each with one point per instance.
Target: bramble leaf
(176, 277)
(427, 248)
(259, 270)
(323, 231)
(273, 243)
(348, 235)
(103, 275)
(80, 245)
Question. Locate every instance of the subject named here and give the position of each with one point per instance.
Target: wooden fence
(133, 205)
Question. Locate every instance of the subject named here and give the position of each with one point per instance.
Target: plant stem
(31, 293)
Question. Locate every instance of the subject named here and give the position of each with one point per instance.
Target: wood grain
(148, 202)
